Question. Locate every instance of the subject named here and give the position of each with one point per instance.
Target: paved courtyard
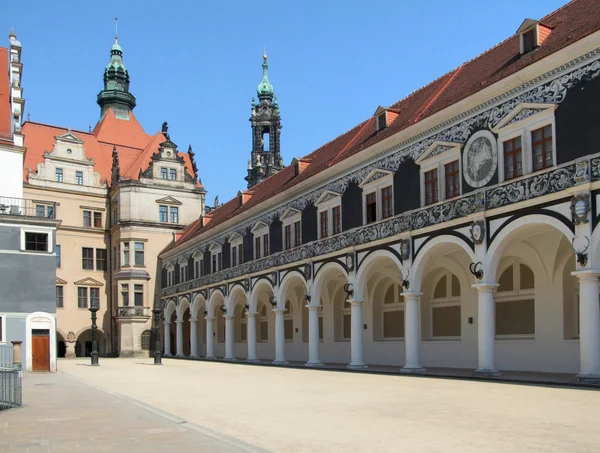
(129, 405)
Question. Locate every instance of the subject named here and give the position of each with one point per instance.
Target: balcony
(27, 208)
(134, 313)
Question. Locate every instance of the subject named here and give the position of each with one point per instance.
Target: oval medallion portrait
(480, 158)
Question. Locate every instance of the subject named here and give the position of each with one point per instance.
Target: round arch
(214, 299)
(323, 273)
(367, 265)
(263, 284)
(170, 309)
(291, 279)
(236, 294)
(196, 305)
(425, 253)
(184, 304)
(505, 236)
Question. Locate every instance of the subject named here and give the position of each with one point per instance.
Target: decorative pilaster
(412, 332)
(251, 324)
(486, 329)
(589, 326)
(210, 340)
(313, 335)
(179, 338)
(356, 343)
(279, 337)
(229, 337)
(167, 338)
(194, 337)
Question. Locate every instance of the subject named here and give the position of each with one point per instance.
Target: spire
(116, 93)
(265, 89)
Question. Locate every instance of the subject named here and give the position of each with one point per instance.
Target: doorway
(40, 348)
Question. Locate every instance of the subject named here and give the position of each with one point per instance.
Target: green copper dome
(265, 89)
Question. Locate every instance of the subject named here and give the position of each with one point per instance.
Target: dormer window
(531, 35)
(172, 174)
(381, 121)
(163, 173)
(529, 41)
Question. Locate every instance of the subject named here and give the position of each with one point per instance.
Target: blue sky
(197, 64)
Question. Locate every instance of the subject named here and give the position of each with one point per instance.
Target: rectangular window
(36, 242)
(234, 256)
(163, 173)
(324, 221)
(114, 257)
(431, 187)
(288, 237)
(59, 297)
(182, 274)
(257, 247)
(529, 40)
(371, 207)
(219, 261)
(214, 263)
(174, 214)
(97, 220)
(513, 158)
(321, 328)
(95, 297)
(138, 295)
(139, 253)
(445, 321)
(79, 178)
(266, 244)
(82, 297)
(50, 213)
(124, 294)
(393, 324)
(125, 253)
(196, 269)
(264, 331)
(243, 331)
(337, 220)
(451, 174)
(87, 218)
(40, 210)
(297, 234)
(59, 175)
(288, 329)
(241, 253)
(346, 326)
(172, 174)
(387, 209)
(100, 259)
(163, 214)
(87, 258)
(57, 249)
(541, 144)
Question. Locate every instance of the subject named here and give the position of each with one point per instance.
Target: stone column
(412, 332)
(251, 337)
(210, 341)
(279, 337)
(229, 337)
(589, 326)
(313, 335)
(167, 338)
(356, 329)
(179, 338)
(486, 328)
(194, 337)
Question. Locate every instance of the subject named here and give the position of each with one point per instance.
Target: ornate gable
(88, 281)
(169, 200)
(289, 213)
(327, 196)
(523, 111)
(437, 148)
(60, 281)
(374, 175)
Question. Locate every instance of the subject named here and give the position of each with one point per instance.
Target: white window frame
(447, 301)
(260, 230)
(37, 231)
(376, 185)
(326, 202)
(524, 128)
(183, 269)
(438, 162)
(198, 256)
(216, 249)
(3, 328)
(170, 274)
(289, 218)
(234, 241)
(516, 294)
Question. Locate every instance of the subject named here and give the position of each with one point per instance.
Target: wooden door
(40, 350)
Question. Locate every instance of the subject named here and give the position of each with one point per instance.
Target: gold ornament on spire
(265, 54)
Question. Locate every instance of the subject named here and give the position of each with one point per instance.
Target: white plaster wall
(11, 183)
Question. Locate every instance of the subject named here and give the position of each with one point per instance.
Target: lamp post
(94, 307)
(157, 310)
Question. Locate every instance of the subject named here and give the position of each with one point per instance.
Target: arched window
(392, 313)
(515, 304)
(146, 340)
(445, 308)
(288, 322)
(264, 324)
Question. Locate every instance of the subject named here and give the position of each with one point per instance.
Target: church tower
(266, 128)
(116, 93)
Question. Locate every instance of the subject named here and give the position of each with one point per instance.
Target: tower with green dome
(116, 93)
(265, 159)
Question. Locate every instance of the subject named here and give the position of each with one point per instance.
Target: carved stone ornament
(350, 262)
(71, 337)
(246, 284)
(405, 249)
(480, 158)
(477, 231)
(307, 272)
(274, 278)
(224, 289)
(582, 172)
(580, 208)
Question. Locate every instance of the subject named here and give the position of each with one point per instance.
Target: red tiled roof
(134, 146)
(570, 23)
(5, 129)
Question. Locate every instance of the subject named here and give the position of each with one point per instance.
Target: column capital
(485, 287)
(179, 321)
(412, 294)
(208, 317)
(586, 274)
(229, 316)
(194, 320)
(313, 307)
(279, 310)
(251, 314)
(355, 302)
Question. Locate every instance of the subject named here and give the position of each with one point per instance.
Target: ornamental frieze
(457, 130)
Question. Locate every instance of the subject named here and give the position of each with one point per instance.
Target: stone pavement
(63, 414)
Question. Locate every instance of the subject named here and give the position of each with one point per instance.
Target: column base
(167, 355)
(181, 356)
(481, 372)
(280, 362)
(588, 378)
(209, 358)
(412, 370)
(194, 356)
(230, 359)
(314, 364)
(252, 361)
(357, 366)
